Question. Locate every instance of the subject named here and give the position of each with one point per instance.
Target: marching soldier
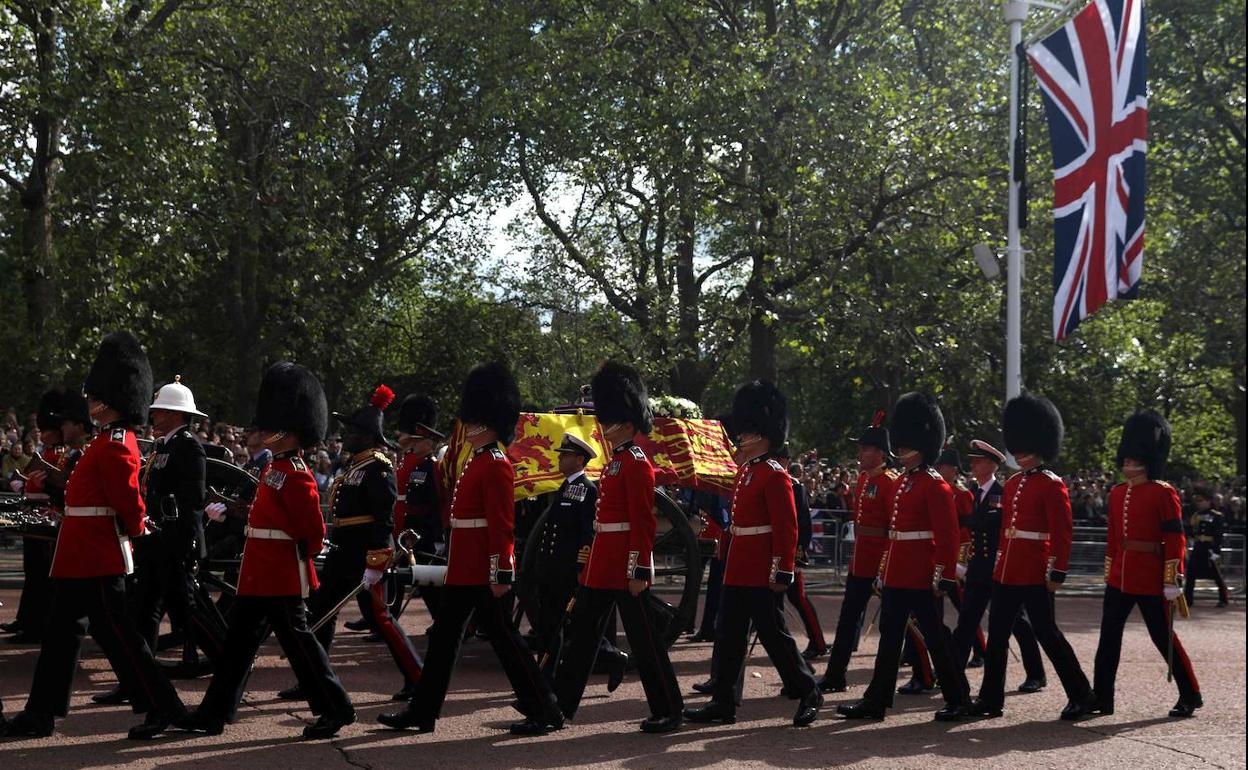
(361, 504)
(284, 532)
(417, 507)
(949, 466)
(816, 645)
(620, 565)
(481, 565)
(1206, 555)
(873, 500)
(760, 561)
(103, 510)
(984, 524)
(920, 563)
(1144, 562)
(1032, 557)
(173, 491)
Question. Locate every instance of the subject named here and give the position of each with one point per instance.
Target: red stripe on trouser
(1180, 654)
(395, 638)
(920, 650)
(981, 639)
(810, 618)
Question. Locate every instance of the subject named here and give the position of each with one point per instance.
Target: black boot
(813, 652)
(706, 688)
(1186, 707)
(833, 683)
(1101, 705)
(657, 724)
(861, 710)
(201, 723)
(327, 726)
(405, 694)
(28, 725)
(808, 709)
(407, 718)
(981, 708)
(1077, 709)
(358, 625)
(976, 661)
(534, 726)
(1032, 684)
(155, 724)
(914, 687)
(619, 665)
(712, 713)
(291, 693)
(953, 712)
(114, 697)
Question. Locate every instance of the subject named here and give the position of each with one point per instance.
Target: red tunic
(964, 504)
(625, 497)
(107, 476)
(483, 555)
(1036, 529)
(763, 497)
(53, 456)
(1143, 515)
(286, 501)
(922, 502)
(413, 512)
(873, 503)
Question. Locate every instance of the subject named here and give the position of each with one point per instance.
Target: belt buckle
(1011, 532)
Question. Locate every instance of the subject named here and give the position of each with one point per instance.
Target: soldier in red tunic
(761, 560)
(481, 565)
(103, 510)
(417, 507)
(621, 564)
(920, 564)
(1144, 562)
(285, 530)
(1037, 530)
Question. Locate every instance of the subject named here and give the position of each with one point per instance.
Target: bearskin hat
(418, 416)
(291, 399)
(121, 377)
(51, 404)
(1146, 437)
(918, 424)
(620, 396)
(491, 397)
(759, 407)
(1031, 424)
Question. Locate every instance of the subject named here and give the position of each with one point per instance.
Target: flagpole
(1015, 12)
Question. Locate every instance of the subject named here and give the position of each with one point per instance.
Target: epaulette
(932, 472)
(119, 434)
(775, 466)
(381, 458)
(1163, 483)
(497, 454)
(892, 474)
(638, 452)
(1052, 475)
(298, 464)
(1015, 475)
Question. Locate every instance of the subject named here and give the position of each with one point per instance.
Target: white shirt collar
(986, 487)
(576, 475)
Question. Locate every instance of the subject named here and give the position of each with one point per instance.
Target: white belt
(920, 534)
(260, 533)
(619, 526)
(1022, 534)
(402, 498)
(469, 523)
(87, 510)
(738, 531)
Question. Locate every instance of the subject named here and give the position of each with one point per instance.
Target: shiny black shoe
(983, 709)
(712, 713)
(358, 625)
(407, 719)
(953, 712)
(1185, 708)
(831, 683)
(531, 727)
(154, 725)
(860, 710)
(702, 636)
(619, 665)
(1101, 705)
(291, 693)
(327, 726)
(200, 723)
(405, 694)
(1078, 709)
(1031, 685)
(12, 627)
(27, 725)
(976, 661)
(913, 687)
(814, 653)
(114, 697)
(706, 688)
(808, 709)
(655, 724)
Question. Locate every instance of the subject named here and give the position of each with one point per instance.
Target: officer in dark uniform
(418, 507)
(1205, 558)
(361, 504)
(173, 490)
(816, 644)
(984, 524)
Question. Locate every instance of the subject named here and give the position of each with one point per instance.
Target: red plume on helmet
(382, 397)
(878, 420)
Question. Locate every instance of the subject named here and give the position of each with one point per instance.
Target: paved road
(472, 732)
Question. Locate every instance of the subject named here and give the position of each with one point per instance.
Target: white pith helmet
(176, 397)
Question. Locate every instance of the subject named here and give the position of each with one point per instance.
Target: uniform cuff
(380, 558)
(637, 571)
(1057, 576)
(947, 586)
(500, 577)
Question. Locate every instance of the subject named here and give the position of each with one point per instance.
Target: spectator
(15, 460)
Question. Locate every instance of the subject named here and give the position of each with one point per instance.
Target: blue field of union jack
(1092, 74)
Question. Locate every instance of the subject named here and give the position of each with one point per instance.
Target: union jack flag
(1092, 76)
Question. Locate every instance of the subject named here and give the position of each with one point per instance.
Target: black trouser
(250, 620)
(1007, 601)
(1199, 565)
(593, 608)
(898, 604)
(32, 608)
(1155, 609)
(858, 591)
(169, 585)
(101, 603)
(552, 602)
(796, 594)
(343, 572)
(741, 606)
(458, 605)
(710, 606)
(975, 600)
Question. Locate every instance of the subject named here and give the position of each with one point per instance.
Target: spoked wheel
(677, 562)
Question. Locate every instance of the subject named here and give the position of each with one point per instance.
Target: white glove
(17, 485)
(439, 548)
(373, 576)
(961, 571)
(215, 511)
(1215, 557)
(878, 585)
(1172, 592)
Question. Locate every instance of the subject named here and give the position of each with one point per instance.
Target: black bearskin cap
(918, 424)
(291, 399)
(1146, 437)
(418, 414)
(620, 396)
(51, 404)
(759, 407)
(1032, 425)
(491, 397)
(121, 377)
